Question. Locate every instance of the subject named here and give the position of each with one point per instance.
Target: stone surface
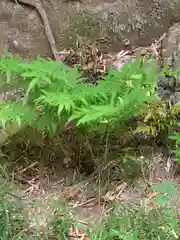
(169, 87)
(171, 43)
(111, 22)
(21, 31)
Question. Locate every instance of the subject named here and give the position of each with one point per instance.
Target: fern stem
(64, 150)
(106, 145)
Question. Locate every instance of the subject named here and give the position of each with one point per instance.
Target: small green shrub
(49, 93)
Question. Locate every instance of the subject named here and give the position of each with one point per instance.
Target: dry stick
(39, 7)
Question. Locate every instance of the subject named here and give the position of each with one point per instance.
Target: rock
(171, 44)
(163, 81)
(171, 49)
(176, 98)
(109, 22)
(171, 53)
(21, 31)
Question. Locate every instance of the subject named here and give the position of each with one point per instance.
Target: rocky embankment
(114, 24)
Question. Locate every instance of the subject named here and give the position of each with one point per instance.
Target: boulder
(113, 23)
(171, 52)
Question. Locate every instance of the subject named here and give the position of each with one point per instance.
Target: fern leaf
(47, 122)
(92, 113)
(10, 64)
(8, 75)
(60, 109)
(16, 112)
(57, 99)
(32, 84)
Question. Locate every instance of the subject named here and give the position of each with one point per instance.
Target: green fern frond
(131, 103)
(93, 113)
(9, 65)
(56, 99)
(55, 70)
(46, 122)
(11, 111)
(60, 94)
(89, 93)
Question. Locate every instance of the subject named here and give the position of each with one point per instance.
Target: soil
(86, 200)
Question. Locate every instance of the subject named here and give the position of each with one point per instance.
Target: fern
(10, 111)
(53, 93)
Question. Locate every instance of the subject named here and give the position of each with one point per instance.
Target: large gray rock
(171, 44)
(109, 21)
(169, 87)
(21, 31)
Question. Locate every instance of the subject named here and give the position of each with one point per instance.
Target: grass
(148, 221)
(12, 221)
(124, 222)
(134, 223)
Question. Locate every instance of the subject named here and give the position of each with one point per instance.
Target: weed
(124, 222)
(12, 221)
(176, 139)
(14, 224)
(129, 222)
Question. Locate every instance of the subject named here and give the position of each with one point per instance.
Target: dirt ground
(87, 199)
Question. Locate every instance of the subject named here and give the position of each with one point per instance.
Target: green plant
(12, 222)
(47, 94)
(15, 224)
(129, 222)
(166, 190)
(126, 222)
(155, 119)
(60, 220)
(176, 138)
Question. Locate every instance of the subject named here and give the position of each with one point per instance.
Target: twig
(85, 203)
(31, 166)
